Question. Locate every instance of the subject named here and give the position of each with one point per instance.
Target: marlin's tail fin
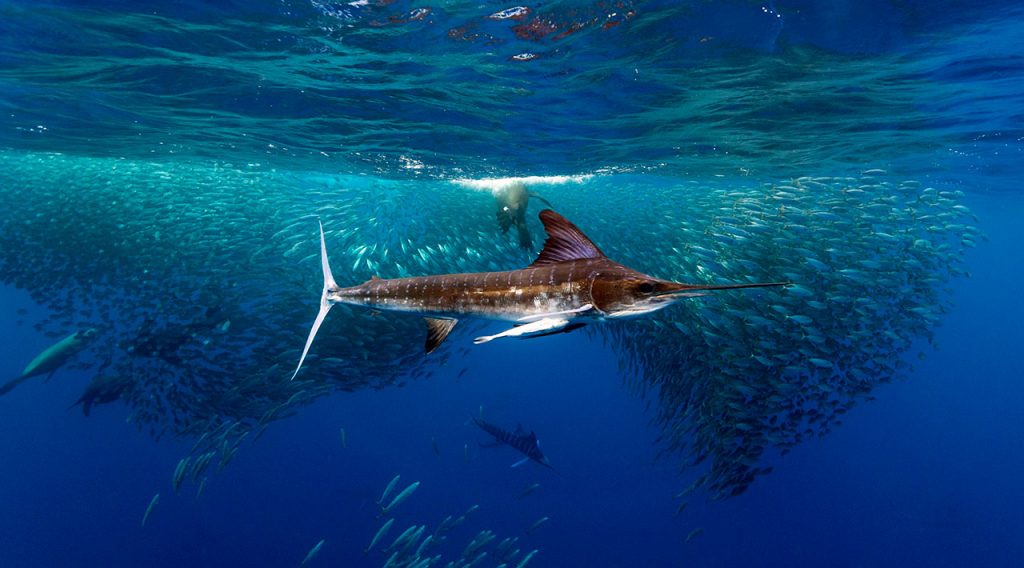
(325, 304)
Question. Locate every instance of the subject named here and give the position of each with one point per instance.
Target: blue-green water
(163, 169)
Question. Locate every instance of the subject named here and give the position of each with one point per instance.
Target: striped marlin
(570, 284)
(526, 444)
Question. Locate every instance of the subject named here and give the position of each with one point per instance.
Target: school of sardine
(198, 279)
(419, 546)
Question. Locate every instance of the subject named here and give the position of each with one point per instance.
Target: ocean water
(163, 167)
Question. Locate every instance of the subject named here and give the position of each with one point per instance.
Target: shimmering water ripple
(418, 88)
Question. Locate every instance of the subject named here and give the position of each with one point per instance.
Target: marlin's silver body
(514, 295)
(570, 284)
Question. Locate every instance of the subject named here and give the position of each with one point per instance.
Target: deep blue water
(309, 98)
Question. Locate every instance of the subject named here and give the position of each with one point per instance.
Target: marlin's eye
(646, 287)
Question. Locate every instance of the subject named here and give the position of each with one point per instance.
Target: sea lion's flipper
(9, 385)
(504, 220)
(525, 241)
(537, 196)
(85, 402)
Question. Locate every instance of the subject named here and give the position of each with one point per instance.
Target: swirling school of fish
(870, 260)
(196, 281)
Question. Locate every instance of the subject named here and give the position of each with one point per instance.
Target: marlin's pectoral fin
(520, 462)
(563, 314)
(437, 330)
(546, 325)
(50, 376)
(569, 327)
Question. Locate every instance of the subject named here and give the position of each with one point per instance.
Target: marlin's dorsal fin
(437, 330)
(565, 241)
